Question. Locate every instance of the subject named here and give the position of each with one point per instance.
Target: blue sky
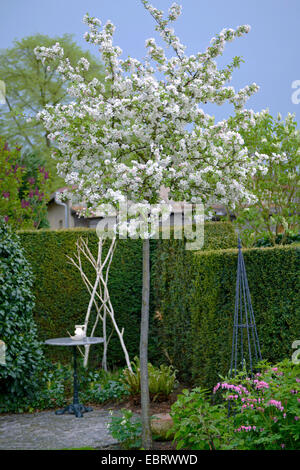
(270, 50)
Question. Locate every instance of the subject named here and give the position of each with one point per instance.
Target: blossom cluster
(239, 389)
(260, 384)
(247, 429)
(276, 403)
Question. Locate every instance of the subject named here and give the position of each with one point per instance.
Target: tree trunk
(145, 400)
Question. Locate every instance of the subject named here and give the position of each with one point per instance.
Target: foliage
(24, 189)
(195, 307)
(35, 187)
(173, 266)
(162, 380)
(277, 191)
(266, 408)
(10, 177)
(264, 412)
(100, 387)
(198, 425)
(279, 240)
(24, 356)
(30, 87)
(53, 387)
(126, 429)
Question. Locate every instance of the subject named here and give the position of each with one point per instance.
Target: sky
(270, 50)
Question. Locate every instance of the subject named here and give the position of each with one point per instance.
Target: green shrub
(264, 412)
(198, 425)
(53, 388)
(267, 411)
(196, 306)
(101, 386)
(127, 429)
(24, 356)
(161, 380)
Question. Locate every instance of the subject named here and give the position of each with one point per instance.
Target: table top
(71, 342)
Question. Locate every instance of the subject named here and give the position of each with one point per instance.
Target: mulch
(133, 404)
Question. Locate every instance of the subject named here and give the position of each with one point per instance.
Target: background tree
(275, 215)
(24, 189)
(30, 86)
(149, 131)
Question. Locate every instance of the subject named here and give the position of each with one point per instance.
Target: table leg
(76, 408)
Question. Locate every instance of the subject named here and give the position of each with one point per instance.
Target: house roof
(177, 207)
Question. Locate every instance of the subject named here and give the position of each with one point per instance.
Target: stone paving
(45, 430)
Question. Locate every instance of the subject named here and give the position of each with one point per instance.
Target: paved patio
(45, 430)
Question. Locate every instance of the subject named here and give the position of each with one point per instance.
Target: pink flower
(261, 384)
(232, 397)
(276, 403)
(245, 428)
(24, 203)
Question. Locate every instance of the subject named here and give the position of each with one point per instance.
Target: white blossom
(150, 130)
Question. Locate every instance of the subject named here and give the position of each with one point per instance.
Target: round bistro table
(75, 408)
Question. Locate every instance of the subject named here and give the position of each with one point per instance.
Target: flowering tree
(145, 129)
(275, 214)
(23, 190)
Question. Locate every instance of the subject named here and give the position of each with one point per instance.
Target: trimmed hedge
(61, 297)
(196, 305)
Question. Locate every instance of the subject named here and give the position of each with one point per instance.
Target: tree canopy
(275, 214)
(30, 86)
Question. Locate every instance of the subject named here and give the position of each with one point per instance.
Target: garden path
(45, 430)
